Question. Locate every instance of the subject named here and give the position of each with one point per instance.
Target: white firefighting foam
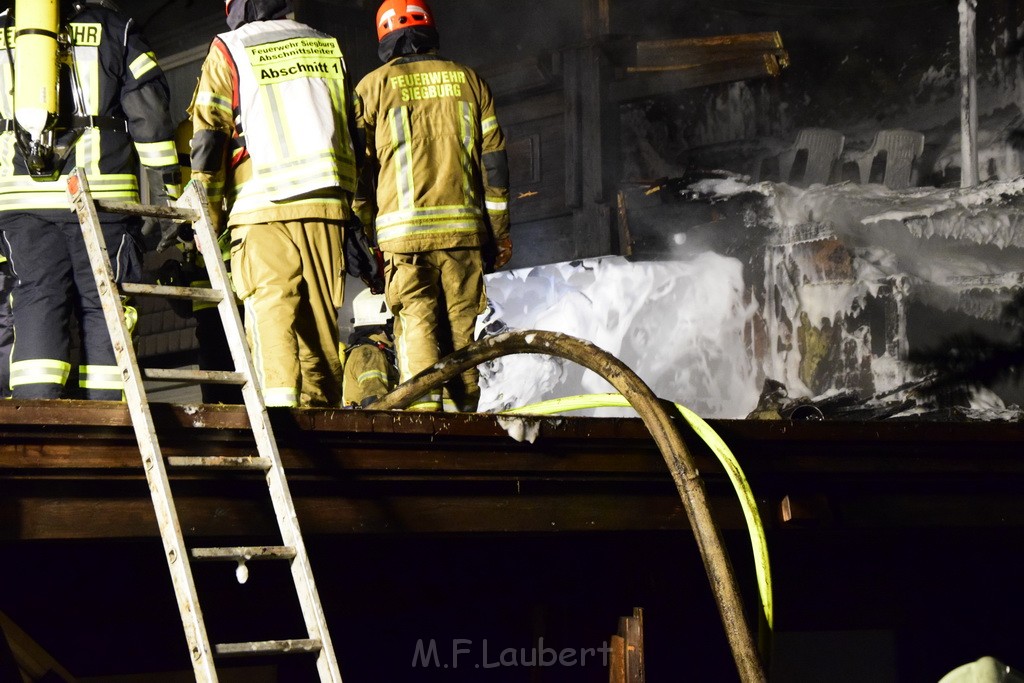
(686, 326)
(680, 325)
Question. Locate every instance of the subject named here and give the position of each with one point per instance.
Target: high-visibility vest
(292, 111)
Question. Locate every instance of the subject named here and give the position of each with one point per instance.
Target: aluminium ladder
(193, 207)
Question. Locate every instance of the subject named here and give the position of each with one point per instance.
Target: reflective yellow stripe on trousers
(100, 377)
(39, 371)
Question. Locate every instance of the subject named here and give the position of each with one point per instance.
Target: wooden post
(597, 156)
(968, 94)
(591, 156)
(573, 118)
(596, 19)
(626, 664)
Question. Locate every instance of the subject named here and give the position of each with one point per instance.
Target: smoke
(482, 34)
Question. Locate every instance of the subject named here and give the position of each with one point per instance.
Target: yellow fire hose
(663, 430)
(755, 528)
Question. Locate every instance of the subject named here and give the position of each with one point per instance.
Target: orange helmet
(396, 14)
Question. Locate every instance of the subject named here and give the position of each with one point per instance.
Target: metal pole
(968, 93)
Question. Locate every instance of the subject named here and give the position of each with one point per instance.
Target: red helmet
(396, 14)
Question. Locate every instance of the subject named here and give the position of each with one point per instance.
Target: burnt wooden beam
(657, 67)
(680, 52)
(659, 81)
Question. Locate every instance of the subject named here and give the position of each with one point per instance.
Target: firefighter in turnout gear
(190, 271)
(110, 112)
(274, 122)
(440, 204)
(370, 370)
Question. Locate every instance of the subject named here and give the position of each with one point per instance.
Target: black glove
(496, 254)
(173, 273)
(362, 259)
(161, 233)
(158, 233)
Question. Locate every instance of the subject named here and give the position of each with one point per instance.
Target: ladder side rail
(145, 431)
(194, 198)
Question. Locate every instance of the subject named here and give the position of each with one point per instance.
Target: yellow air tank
(35, 79)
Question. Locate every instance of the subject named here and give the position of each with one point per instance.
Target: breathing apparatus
(41, 48)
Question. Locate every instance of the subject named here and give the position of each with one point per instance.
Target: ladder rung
(194, 293)
(185, 375)
(268, 647)
(245, 462)
(133, 209)
(258, 552)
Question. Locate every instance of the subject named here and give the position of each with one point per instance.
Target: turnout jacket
(123, 109)
(274, 122)
(437, 157)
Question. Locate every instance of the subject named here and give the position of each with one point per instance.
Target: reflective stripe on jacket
(439, 155)
(120, 81)
(279, 91)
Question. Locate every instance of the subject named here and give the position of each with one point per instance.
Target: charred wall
(578, 127)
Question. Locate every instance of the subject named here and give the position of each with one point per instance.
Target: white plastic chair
(892, 158)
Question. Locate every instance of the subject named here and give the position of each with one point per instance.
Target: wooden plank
(701, 50)
(109, 514)
(392, 472)
(634, 646)
(83, 435)
(592, 112)
(643, 84)
(19, 652)
(776, 61)
(573, 117)
(617, 661)
(593, 224)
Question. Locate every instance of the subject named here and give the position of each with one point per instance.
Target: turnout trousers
(290, 278)
(368, 375)
(435, 297)
(53, 282)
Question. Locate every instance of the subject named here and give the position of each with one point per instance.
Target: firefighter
(370, 370)
(274, 122)
(190, 271)
(440, 209)
(110, 113)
